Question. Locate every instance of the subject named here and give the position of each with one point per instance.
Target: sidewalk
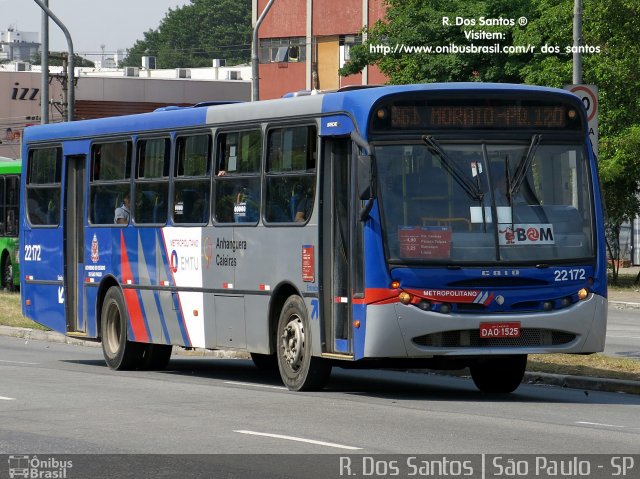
(565, 381)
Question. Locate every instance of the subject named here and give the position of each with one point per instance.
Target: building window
(346, 43)
(282, 50)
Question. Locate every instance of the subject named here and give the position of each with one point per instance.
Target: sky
(116, 24)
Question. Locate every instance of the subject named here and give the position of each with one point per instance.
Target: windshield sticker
(476, 168)
(526, 234)
(432, 242)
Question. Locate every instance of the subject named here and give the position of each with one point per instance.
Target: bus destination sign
(480, 117)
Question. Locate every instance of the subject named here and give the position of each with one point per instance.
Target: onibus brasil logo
(35, 468)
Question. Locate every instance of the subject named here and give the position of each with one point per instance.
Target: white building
(18, 46)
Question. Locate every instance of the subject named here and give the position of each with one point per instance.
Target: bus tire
(300, 371)
(119, 352)
(155, 357)
(265, 362)
(499, 374)
(7, 274)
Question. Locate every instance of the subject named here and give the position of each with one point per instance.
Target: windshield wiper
(521, 172)
(454, 170)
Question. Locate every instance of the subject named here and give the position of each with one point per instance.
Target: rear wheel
(298, 368)
(499, 374)
(119, 353)
(7, 274)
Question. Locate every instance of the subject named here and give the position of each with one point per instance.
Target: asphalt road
(59, 398)
(623, 333)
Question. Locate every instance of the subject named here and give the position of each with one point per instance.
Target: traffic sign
(589, 96)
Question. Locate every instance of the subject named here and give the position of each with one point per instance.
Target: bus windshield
(485, 202)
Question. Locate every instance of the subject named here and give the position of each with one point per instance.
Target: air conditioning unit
(23, 66)
(219, 62)
(131, 71)
(234, 75)
(183, 73)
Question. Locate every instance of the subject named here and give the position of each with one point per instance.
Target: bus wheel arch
(299, 369)
(107, 283)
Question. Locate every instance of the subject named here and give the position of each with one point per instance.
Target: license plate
(499, 330)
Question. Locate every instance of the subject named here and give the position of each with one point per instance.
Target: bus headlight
(405, 298)
(582, 294)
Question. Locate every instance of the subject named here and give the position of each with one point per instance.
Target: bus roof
(356, 103)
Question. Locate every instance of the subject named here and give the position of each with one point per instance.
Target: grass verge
(594, 365)
(11, 312)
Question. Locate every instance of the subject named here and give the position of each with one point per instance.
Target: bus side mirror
(365, 177)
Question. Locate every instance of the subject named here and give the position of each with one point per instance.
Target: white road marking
(7, 399)
(16, 362)
(599, 424)
(237, 383)
(301, 439)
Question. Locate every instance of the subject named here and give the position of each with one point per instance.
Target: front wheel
(119, 353)
(499, 374)
(298, 368)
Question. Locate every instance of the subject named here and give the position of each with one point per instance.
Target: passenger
(304, 204)
(122, 212)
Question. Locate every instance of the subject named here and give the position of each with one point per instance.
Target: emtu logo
(174, 262)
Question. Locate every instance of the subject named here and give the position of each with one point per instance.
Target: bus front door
(74, 243)
(336, 247)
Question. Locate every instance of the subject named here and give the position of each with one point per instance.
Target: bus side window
(291, 174)
(191, 179)
(237, 183)
(109, 181)
(44, 185)
(150, 205)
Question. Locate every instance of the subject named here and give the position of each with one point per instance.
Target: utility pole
(71, 100)
(44, 64)
(577, 42)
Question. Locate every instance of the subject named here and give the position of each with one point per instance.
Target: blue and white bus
(439, 226)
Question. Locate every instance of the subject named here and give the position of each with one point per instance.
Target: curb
(624, 305)
(584, 382)
(560, 380)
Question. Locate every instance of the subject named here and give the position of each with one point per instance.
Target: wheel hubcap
(292, 342)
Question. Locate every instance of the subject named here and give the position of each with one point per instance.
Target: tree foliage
(192, 35)
(56, 60)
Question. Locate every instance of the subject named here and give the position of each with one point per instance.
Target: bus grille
(471, 339)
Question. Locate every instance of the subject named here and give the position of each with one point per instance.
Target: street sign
(589, 96)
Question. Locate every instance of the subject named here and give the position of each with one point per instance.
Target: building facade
(303, 43)
(18, 46)
(101, 94)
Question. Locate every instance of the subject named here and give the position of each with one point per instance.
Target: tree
(56, 60)
(193, 35)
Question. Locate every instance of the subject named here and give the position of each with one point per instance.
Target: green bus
(9, 213)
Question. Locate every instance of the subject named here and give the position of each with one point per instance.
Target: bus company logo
(527, 234)
(33, 467)
(95, 257)
(173, 266)
(207, 252)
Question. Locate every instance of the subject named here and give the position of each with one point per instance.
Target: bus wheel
(7, 274)
(499, 374)
(155, 357)
(265, 362)
(119, 353)
(298, 369)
